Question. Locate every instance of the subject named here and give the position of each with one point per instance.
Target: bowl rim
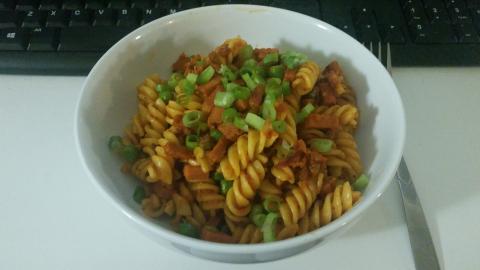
(203, 245)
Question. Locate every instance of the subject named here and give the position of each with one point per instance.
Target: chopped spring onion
(273, 87)
(254, 121)
(226, 72)
(130, 153)
(361, 183)
(276, 71)
(268, 109)
(191, 119)
(271, 204)
(306, 111)
(192, 141)
(163, 88)
(115, 144)
(249, 66)
(258, 79)
(174, 80)
(279, 126)
(224, 82)
(225, 186)
(187, 86)
(293, 59)
(192, 77)
(268, 227)
(240, 123)
(215, 134)
(229, 115)
(271, 58)
(231, 87)
(218, 177)
(139, 194)
(206, 75)
(249, 81)
(322, 145)
(286, 89)
(241, 92)
(257, 216)
(224, 99)
(166, 95)
(246, 53)
(188, 229)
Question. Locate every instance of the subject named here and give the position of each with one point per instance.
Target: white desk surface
(51, 216)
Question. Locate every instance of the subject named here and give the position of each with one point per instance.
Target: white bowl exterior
(108, 102)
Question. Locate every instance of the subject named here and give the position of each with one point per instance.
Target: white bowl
(108, 101)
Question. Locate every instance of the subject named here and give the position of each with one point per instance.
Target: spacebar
(89, 39)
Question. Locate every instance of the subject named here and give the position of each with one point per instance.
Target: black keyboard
(69, 36)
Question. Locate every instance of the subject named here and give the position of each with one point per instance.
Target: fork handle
(421, 242)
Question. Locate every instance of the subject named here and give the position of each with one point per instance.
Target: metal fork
(421, 242)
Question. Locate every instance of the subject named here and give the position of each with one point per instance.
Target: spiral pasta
(244, 188)
(306, 78)
(245, 149)
(245, 145)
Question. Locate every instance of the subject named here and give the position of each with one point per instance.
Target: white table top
(53, 218)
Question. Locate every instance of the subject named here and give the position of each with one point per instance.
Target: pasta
(244, 145)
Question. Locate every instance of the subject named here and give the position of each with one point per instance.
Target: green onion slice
(218, 177)
(130, 153)
(254, 121)
(322, 145)
(192, 141)
(192, 77)
(188, 229)
(292, 59)
(175, 78)
(306, 111)
(187, 86)
(246, 53)
(225, 186)
(268, 227)
(229, 115)
(191, 119)
(240, 123)
(271, 58)
(249, 81)
(224, 99)
(361, 183)
(139, 194)
(215, 134)
(276, 71)
(268, 110)
(206, 75)
(279, 126)
(271, 204)
(226, 72)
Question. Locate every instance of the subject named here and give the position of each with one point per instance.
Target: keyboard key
(368, 33)
(13, 39)
(466, 33)
(460, 15)
(7, 4)
(432, 3)
(455, 3)
(433, 33)
(363, 16)
(127, 17)
(56, 18)
(415, 16)
(392, 34)
(408, 4)
(79, 18)
(49, 4)
(43, 39)
(90, 39)
(118, 4)
(153, 14)
(26, 5)
(437, 14)
(170, 5)
(8, 19)
(103, 17)
(94, 4)
(33, 18)
(307, 7)
(142, 4)
(473, 3)
(187, 4)
(72, 4)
